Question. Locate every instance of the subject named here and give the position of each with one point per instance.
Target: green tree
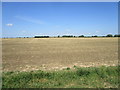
(109, 35)
(117, 35)
(81, 36)
(95, 36)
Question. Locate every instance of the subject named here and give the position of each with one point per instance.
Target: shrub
(117, 35)
(41, 37)
(81, 36)
(95, 36)
(109, 35)
(67, 36)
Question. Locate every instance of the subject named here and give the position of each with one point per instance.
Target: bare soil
(26, 54)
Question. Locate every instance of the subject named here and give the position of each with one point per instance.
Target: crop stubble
(26, 54)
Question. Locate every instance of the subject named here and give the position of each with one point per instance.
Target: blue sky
(59, 18)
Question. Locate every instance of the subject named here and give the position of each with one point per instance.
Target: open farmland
(26, 54)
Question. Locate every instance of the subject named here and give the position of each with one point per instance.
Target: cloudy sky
(59, 18)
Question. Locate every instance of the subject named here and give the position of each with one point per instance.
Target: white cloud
(57, 26)
(97, 31)
(68, 30)
(9, 24)
(30, 19)
(23, 31)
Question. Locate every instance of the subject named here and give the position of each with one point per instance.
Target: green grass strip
(89, 77)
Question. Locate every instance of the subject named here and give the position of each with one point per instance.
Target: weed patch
(89, 77)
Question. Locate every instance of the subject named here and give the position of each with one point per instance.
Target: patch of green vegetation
(90, 77)
(68, 68)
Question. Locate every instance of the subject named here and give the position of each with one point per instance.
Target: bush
(41, 37)
(109, 35)
(81, 36)
(67, 36)
(95, 36)
(117, 35)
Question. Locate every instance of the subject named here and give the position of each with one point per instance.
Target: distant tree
(95, 36)
(41, 37)
(67, 36)
(109, 35)
(117, 35)
(58, 36)
(81, 36)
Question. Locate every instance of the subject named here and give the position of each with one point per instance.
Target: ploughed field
(26, 54)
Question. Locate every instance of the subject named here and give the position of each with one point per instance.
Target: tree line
(108, 35)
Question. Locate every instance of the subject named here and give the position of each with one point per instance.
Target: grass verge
(90, 77)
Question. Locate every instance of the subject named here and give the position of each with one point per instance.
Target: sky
(27, 19)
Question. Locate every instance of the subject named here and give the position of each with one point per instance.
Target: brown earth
(25, 54)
